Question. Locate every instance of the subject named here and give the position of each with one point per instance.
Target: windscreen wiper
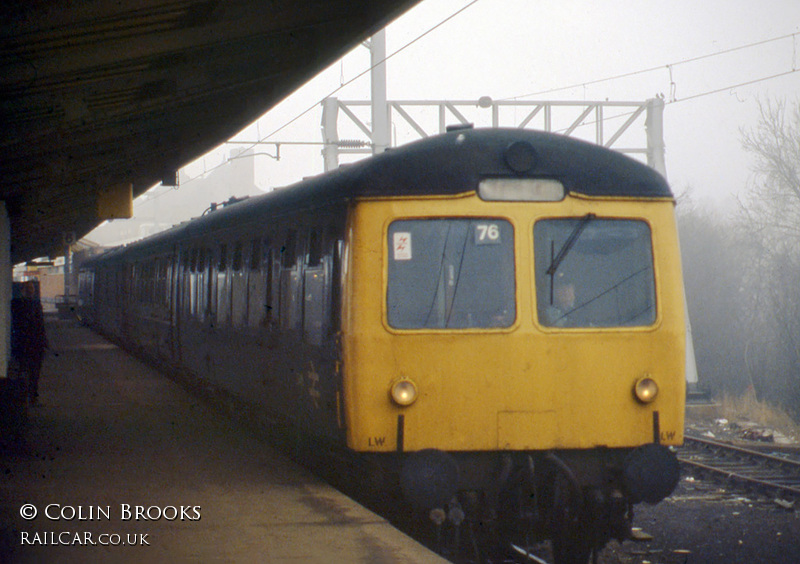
(568, 244)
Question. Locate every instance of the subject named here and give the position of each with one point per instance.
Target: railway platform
(121, 464)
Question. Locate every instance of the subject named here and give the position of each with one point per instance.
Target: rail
(745, 467)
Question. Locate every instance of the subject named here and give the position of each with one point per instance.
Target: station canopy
(103, 99)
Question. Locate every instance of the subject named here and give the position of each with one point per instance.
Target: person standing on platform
(28, 337)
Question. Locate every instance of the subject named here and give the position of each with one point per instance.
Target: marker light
(521, 190)
(404, 392)
(645, 389)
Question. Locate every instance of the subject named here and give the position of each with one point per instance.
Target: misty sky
(526, 49)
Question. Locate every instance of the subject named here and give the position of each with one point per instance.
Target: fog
(742, 270)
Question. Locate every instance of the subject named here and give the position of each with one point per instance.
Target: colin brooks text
(66, 538)
(127, 512)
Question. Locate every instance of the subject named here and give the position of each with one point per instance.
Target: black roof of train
(451, 163)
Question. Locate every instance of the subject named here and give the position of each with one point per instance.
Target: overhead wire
(672, 98)
(668, 66)
(692, 97)
(732, 86)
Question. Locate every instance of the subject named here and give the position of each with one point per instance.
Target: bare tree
(775, 144)
(772, 268)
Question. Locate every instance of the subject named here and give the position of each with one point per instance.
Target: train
(495, 318)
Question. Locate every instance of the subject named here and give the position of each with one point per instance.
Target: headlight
(645, 389)
(404, 392)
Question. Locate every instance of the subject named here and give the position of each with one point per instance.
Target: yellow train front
(516, 327)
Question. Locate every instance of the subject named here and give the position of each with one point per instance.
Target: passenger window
(289, 249)
(222, 265)
(315, 243)
(237, 257)
(255, 255)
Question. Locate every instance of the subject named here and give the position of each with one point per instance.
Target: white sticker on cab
(402, 245)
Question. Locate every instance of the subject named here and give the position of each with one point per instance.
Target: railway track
(744, 468)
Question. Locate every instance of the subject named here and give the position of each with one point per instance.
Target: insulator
(351, 143)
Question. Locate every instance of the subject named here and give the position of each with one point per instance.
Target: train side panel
(257, 318)
(251, 310)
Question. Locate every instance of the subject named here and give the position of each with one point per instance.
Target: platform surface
(121, 464)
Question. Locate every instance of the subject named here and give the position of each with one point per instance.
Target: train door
(187, 306)
(174, 300)
(126, 301)
(198, 291)
(185, 300)
(86, 301)
(223, 310)
(212, 261)
(314, 286)
(320, 293)
(208, 301)
(191, 282)
(238, 287)
(321, 285)
(259, 284)
(290, 304)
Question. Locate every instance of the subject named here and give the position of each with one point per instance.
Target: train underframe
(479, 504)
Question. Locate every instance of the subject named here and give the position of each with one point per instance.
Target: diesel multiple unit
(496, 317)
